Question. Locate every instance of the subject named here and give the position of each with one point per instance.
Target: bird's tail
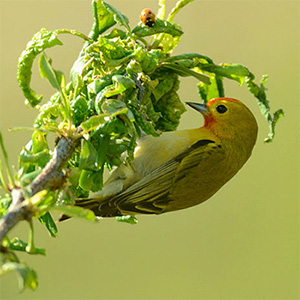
(100, 206)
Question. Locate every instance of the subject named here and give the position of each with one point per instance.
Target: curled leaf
(179, 5)
(41, 40)
(259, 92)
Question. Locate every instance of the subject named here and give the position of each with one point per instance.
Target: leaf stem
(76, 33)
(2, 179)
(8, 171)
(30, 247)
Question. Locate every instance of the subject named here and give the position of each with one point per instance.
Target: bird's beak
(202, 108)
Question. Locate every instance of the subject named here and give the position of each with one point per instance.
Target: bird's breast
(153, 152)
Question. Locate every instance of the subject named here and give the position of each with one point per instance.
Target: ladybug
(147, 17)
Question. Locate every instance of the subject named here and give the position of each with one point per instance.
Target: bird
(183, 168)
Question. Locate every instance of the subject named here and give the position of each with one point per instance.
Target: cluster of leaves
(123, 85)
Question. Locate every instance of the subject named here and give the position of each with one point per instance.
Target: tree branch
(50, 177)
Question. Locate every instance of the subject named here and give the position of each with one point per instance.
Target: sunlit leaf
(48, 222)
(127, 219)
(121, 19)
(19, 245)
(41, 40)
(103, 19)
(75, 211)
(55, 77)
(160, 26)
(182, 71)
(94, 121)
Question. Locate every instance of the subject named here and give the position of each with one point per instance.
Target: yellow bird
(183, 168)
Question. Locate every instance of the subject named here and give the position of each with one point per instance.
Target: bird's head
(228, 118)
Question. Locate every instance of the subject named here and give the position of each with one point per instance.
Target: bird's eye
(221, 109)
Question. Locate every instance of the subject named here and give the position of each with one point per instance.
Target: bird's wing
(150, 194)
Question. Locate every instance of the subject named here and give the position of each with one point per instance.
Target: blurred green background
(241, 244)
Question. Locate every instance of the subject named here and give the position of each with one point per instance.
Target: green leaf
(39, 141)
(79, 110)
(5, 202)
(127, 219)
(41, 40)
(27, 276)
(121, 19)
(179, 5)
(236, 72)
(97, 179)
(184, 72)
(214, 90)
(3, 183)
(148, 61)
(162, 9)
(116, 33)
(99, 84)
(27, 178)
(39, 158)
(55, 78)
(77, 69)
(48, 222)
(165, 86)
(160, 26)
(94, 121)
(88, 156)
(40, 198)
(114, 107)
(91, 180)
(276, 117)
(171, 109)
(6, 165)
(85, 180)
(36, 151)
(19, 245)
(103, 19)
(75, 211)
(122, 83)
(196, 57)
(102, 148)
(168, 41)
(259, 92)
(113, 53)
